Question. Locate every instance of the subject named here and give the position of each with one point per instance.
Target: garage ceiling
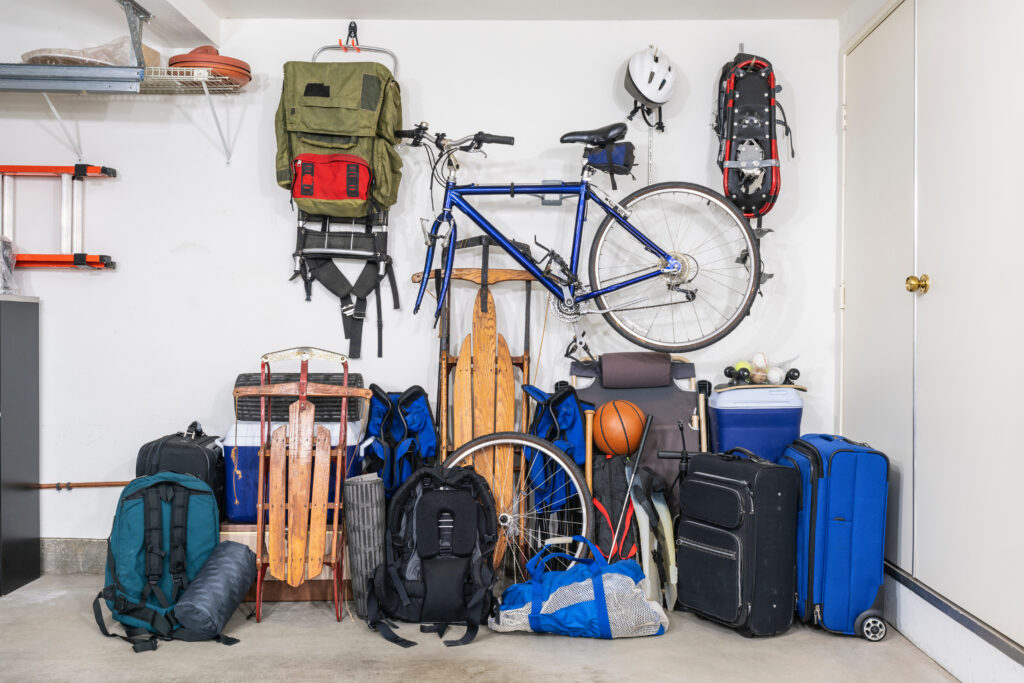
(529, 9)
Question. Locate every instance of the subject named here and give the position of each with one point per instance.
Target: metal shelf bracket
(216, 121)
(136, 14)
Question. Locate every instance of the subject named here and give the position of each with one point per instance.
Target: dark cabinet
(19, 442)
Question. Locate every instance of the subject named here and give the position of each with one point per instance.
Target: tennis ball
(742, 364)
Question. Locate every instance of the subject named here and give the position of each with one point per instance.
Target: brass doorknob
(915, 283)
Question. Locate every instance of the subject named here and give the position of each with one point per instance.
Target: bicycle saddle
(597, 137)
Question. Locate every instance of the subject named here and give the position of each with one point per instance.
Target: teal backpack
(165, 527)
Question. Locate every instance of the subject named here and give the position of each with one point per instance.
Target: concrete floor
(47, 632)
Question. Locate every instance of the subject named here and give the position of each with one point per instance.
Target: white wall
(203, 249)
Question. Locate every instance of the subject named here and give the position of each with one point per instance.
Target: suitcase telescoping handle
(838, 437)
(682, 456)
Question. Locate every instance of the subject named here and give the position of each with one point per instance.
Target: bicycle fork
(431, 239)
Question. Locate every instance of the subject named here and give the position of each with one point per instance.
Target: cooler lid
(757, 398)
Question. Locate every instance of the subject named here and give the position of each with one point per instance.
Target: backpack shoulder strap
(179, 539)
(481, 573)
(382, 397)
(154, 562)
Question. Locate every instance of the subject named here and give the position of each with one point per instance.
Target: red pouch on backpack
(330, 177)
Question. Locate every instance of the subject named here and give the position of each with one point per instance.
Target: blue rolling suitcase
(840, 533)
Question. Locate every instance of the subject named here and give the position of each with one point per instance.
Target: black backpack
(439, 550)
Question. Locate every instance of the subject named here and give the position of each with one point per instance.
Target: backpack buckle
(349, 310)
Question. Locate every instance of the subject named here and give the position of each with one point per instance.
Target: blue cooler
(241, 444)
(764, 420)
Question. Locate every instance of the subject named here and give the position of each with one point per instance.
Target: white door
(970, 464)
(877, 254)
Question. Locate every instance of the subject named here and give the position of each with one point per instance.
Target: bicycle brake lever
(473, 148)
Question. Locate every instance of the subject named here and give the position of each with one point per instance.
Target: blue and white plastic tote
(590, 599)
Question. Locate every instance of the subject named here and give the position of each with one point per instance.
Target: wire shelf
(171, 80)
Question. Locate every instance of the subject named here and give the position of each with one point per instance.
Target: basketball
(618, 426)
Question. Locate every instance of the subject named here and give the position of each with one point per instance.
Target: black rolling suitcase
(189, 452)
(736, 541)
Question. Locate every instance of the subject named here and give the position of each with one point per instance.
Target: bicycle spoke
(706, 235)
(547, 479)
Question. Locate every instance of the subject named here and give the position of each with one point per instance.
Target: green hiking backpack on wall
(335, 129)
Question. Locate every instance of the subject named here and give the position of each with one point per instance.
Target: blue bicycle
(673, 267)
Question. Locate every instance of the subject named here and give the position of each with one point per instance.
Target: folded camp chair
(651, 380)
(294, 484)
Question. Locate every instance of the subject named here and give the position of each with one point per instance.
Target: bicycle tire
(511, 518)
(719, 210)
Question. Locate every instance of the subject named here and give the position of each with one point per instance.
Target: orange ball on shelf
(618, 427)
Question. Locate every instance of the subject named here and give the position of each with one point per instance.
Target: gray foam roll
(218, 589)
(364, 529)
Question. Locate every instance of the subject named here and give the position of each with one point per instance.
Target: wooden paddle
(318, 505)
(300, 462)
(462, 395)
(277, 546)
(504, 421)
(484, 373)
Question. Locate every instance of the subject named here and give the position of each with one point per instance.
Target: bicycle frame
(455, 197)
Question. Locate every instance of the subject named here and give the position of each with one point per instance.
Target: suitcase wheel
(873, 628)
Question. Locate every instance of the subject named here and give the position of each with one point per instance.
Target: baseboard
(965, 646)
(74, 555)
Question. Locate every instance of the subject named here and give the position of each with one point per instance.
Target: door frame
(880, 16)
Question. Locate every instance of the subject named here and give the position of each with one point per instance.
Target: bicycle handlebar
(483, 138)
(419, 134)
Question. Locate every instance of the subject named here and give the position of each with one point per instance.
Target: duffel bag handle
(536, 566)
(194, 430)
(749, 455)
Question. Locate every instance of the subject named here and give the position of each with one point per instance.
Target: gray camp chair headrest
(634, 370)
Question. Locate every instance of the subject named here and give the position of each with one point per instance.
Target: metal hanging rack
(137, 78)
(175, 80)
(351, 42)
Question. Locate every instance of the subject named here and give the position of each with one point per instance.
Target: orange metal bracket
(71, 216)
(97, 261)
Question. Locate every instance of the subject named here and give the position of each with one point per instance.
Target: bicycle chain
(641, 308)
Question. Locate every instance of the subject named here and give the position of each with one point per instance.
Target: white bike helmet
(650, 77)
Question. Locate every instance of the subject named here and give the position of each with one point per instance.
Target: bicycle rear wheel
(549, 498)
(702, 303)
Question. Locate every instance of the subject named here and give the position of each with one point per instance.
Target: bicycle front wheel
(707, 298)
(539, 494)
